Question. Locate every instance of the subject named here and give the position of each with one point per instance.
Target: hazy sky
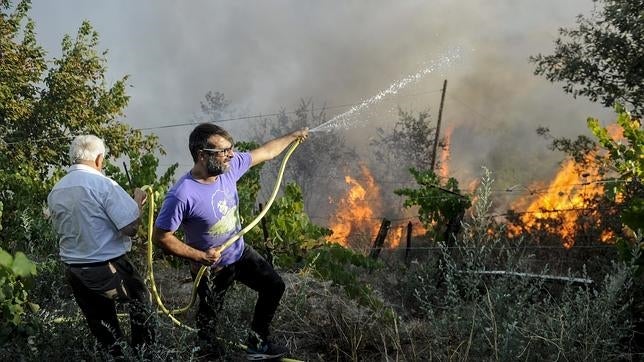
(267, 55)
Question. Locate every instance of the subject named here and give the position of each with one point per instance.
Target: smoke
(265, 56)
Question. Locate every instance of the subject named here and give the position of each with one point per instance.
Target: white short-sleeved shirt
(87, 210)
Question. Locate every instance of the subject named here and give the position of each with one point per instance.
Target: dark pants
(251, 270)
(97, 286)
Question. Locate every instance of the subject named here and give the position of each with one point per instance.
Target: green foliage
(601, 58)
(342, 266)
(620, 165)
(142, 172)
(249, 185)
(514, 316)
(291, 231)
(626, 159)
(15, 274)
(438, 204)
(450, 314)
(43, 108)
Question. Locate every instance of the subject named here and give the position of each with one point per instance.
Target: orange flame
(564, 196)
(355, 211)
(398, 234)
(562, 199)
(355, 216)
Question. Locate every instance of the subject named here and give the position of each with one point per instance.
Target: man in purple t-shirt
(205, 203)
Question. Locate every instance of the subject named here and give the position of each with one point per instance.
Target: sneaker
(259, 349)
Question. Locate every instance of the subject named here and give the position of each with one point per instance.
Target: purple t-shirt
(209, 213)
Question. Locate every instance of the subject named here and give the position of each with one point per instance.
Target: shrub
(342, 266)
(15, 274)
(515, 316)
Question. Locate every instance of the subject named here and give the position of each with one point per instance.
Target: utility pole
(438, 125)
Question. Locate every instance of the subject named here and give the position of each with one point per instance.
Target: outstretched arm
(271, 149)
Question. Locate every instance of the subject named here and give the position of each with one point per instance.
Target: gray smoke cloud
(267, 55)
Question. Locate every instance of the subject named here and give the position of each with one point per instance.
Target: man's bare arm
(272, 148)
(168, 241)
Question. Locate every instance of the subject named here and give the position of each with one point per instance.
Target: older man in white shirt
(95, 218)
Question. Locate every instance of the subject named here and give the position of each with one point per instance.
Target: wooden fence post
(408, 243)
(380, 238)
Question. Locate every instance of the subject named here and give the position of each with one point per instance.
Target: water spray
(342, 120)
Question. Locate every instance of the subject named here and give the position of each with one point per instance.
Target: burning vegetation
(358, 215)
(573, 207)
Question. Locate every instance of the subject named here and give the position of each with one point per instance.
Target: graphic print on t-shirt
(224, 209)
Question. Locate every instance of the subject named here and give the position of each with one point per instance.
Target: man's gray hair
(86, 148)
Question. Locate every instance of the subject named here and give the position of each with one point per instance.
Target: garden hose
(155, 293)
(157, 297)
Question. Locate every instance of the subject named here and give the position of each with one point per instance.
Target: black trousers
(98, 286)
(251, 270)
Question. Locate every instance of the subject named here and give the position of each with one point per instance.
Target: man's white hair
(86, 148)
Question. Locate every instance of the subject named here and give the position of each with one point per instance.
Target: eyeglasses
(219, 151)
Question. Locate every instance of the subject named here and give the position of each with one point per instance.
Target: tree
(215, 105)
(16, 274)
(624, 159)
(602, 58)
(410, 143)
(42, 109)
(613, 162)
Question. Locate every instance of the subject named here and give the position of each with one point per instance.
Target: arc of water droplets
(342, 120)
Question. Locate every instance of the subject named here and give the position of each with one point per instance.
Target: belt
(93, 264)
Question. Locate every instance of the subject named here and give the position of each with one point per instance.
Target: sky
(268, 55)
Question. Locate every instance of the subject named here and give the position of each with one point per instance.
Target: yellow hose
(153, 285)
(224, 246)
